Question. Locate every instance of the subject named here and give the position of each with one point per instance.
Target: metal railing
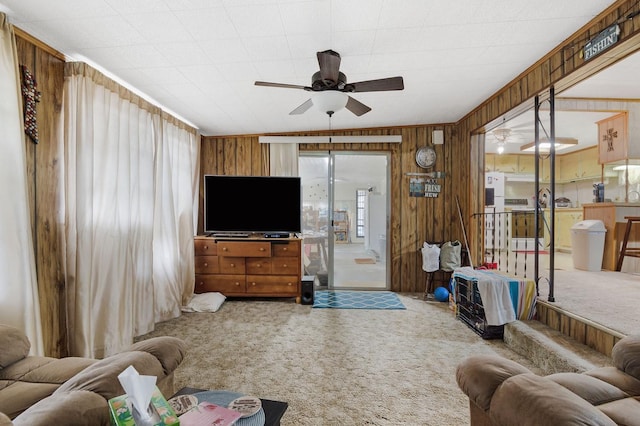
(510, 240)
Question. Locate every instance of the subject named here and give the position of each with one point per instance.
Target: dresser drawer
(226, 284)
(285, 265)
(207, 265)
(259, 265)
(273, 284)
(244, 248)
(282, 249)
(204, 247)
(231, 265)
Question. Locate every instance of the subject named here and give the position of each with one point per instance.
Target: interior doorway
(345, 219)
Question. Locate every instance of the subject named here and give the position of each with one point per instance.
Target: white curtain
(283, 159)
(127, 265)
(176, 190)
(19, 305)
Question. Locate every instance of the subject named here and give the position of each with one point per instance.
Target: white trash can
(587, 244)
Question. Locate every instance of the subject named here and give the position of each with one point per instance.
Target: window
(361, 198)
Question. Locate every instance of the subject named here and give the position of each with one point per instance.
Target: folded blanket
(494, 292)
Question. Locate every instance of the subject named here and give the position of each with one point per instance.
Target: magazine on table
(206, 413)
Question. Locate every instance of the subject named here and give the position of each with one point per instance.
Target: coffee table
(273, 410)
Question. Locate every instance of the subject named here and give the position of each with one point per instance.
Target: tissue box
(121, 412)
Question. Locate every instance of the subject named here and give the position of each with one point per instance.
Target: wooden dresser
(249, 267)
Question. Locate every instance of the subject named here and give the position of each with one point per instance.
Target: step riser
(582, 330)
(550, 350)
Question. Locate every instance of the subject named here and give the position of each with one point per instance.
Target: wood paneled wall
(44, 170)
(561, 68)
(413, 220)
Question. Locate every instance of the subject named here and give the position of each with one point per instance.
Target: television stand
(229, 234)
(248, 267)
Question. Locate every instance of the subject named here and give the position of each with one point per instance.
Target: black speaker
(306, 290)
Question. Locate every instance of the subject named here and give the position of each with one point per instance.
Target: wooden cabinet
(506, 163)
(526, 164)
(613, 217)
(573, 166)
(590, 167)
(249, 267)
(565, 219)
(569, 167)
(613, 139)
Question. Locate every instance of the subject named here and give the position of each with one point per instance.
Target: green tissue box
(123, 414)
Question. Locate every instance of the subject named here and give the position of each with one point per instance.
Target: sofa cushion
(101, 377)
(15, 345)
(5, 420)
(626, 355)
(479, 376)
(77, 407)
(623, 412)
(617, 378)
(27, 381)
(170, 351)
(531, 400)
(593, 390)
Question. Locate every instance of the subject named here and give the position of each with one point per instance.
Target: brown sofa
(502, 392)
(74, 391)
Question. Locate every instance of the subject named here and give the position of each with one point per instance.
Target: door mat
(365, 260)
(357, 300)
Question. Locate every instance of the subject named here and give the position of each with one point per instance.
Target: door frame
(331, 186)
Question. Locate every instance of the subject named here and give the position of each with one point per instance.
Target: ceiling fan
(502, 136)
(331, 87)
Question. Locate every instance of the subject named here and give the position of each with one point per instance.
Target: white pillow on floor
(205, 302)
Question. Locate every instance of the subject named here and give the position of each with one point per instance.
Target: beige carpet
(335, 366)
(605, 297)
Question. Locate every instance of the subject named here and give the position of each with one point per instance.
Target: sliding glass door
(345, 219)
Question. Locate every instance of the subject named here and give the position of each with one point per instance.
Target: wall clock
(426, 157)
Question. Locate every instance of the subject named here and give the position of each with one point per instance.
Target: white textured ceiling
(200, 58)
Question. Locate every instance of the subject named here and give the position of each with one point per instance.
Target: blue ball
(441, 294)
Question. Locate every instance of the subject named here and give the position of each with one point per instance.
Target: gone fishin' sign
(601, 42)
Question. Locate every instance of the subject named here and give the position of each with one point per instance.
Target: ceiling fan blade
(357, 107)
(329, 62)
(382, 84)
(286, 86)
(302, 108)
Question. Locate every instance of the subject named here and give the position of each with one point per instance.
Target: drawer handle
(253, 283)
(289, 284)
(201, 283)
(233, 265)
(206, 247)
(261, 248)
(284, 266)
(206, 264)
(225, 249)
(258, 265)
(285, 249)
(237, 283)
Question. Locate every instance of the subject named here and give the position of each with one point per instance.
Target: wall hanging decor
(30, 96)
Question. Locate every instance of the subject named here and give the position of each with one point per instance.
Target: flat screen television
(252, 204)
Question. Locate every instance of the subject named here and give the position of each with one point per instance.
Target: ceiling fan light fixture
(330, 101)
(500, 148)
(502, 134)
(544, 144)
